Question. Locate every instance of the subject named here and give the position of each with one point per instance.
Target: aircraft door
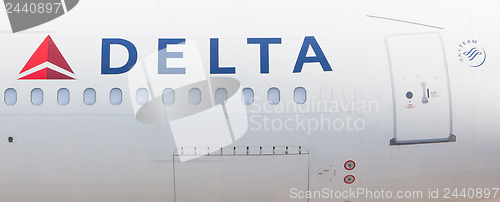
(421, 90)
(243, 174)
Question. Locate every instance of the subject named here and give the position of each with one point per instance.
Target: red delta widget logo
(47, 63)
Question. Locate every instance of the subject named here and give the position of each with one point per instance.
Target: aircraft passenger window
(195, 96)
(63, 96)
(220, 95)
(89, 96)
(115, 96)
(247, 96)
(273, 96)
(10, 96)
(142, 96)
(300, 95)
(37, 96)
(168, 96)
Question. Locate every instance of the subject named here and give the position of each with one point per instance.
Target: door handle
(425, 97)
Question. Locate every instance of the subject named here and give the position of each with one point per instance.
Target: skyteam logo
(470, 53)
(25, 14)
(47, 63)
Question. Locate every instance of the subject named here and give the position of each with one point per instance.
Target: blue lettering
(214, 59)
(264, 51)
(320, 57)
(163, 55)
(106, 54)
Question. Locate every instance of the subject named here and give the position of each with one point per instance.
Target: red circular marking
(353, 179)
(350, 161)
